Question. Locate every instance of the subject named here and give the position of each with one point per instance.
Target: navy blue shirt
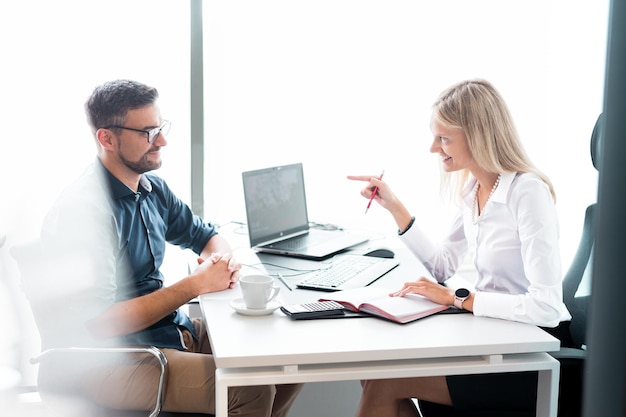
(116, 239)
(146, 220)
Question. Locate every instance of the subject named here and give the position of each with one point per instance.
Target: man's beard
(141, 166)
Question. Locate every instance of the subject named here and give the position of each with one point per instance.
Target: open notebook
(277, 217)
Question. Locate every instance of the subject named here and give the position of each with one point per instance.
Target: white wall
(345, 86)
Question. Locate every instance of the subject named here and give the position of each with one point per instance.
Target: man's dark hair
(110, 102)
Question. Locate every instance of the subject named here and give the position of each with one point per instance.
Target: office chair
(9, 363)
(33, 269)
(572, 357)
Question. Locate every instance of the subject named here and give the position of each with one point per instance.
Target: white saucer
(240, 307)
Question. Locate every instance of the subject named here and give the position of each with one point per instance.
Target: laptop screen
(275, 203)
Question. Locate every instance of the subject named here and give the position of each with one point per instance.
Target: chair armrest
(569, 353)
(194, 308)
(158, 354)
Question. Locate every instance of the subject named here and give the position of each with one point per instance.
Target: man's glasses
(152, 134)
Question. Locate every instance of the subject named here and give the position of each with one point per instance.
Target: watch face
(462, 293)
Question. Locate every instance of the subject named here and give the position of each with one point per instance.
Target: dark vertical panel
(197, 109)
(606, 366)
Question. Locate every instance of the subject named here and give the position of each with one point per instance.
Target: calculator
(318, 309)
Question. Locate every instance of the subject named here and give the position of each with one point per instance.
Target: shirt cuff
(493, 305)
(406, 229)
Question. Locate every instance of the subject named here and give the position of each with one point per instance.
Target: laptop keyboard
(348, 271)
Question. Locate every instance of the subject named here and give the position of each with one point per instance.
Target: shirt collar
(145, 183)
(506, 179)
(118, 188)
(499, 195)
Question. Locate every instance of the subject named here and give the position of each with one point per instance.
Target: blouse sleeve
(440, 259)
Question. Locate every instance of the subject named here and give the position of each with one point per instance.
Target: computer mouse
(380, 253)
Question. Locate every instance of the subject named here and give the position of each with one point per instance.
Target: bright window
(345, 86)
(53, 55)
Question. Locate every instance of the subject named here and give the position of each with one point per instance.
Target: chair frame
(24, 254)
(158, 354)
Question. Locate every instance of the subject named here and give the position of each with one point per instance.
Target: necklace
(475, 215)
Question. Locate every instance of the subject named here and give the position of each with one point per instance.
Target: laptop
(277, 217)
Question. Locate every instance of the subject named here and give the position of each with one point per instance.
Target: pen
(374, 192)
(280, 277)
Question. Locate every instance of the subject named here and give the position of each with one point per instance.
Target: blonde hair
(476, 107)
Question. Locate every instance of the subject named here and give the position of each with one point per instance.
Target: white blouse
(516, 251)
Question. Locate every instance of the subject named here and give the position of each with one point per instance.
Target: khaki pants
(130, 384)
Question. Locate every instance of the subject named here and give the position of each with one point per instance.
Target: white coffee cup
(258, 290)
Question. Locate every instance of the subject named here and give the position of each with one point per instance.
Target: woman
(507, 215)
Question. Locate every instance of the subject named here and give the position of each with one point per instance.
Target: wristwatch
(460, 295)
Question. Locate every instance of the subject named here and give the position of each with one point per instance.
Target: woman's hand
(385, 197)
(429, 289)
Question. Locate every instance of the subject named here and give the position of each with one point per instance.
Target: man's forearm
(136, 314)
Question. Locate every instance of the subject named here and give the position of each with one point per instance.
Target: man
(107, 235)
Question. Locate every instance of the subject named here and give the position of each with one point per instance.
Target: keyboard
(348, 271)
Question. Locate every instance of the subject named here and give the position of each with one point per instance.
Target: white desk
(276, 350)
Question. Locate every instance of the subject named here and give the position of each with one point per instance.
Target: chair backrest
(582, 262)
(33, 268)
(51, 302)
(577, 306)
